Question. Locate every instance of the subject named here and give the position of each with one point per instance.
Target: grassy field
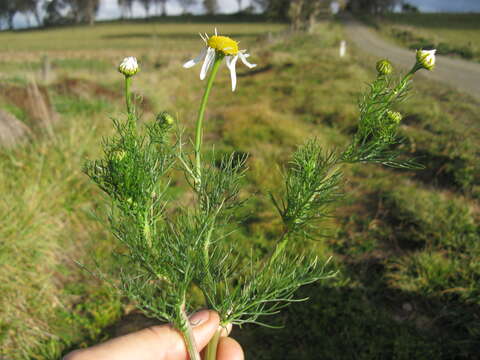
(455, 35)
(406, 243)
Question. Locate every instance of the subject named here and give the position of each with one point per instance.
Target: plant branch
(187, 333)
(128, 95)
(211, 351)
(201, 115)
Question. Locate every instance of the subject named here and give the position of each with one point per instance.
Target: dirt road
(460, 74)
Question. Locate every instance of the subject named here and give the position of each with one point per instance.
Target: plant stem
(128, 95)
(211, 351)
(188, 337)
(280, 246)
(201, 115)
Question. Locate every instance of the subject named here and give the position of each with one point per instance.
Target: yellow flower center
(223, 44)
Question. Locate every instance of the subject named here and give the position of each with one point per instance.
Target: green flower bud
(394, 116)
(384, 67)
(426, 59)
(129, 66)
(165, 118)
(119, 155)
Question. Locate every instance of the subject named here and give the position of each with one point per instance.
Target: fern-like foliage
(167, 254)
(376, 136)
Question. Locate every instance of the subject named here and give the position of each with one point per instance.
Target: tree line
(53, 12)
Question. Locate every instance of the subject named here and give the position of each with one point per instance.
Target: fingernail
(199, 317)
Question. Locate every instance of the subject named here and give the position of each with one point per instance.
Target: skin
(162, 343)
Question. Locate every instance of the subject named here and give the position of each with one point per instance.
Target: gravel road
(460, 74)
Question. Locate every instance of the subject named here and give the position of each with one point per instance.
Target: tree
(26, 7)
(90, 10)
(295, 14)
(409, 8)
(372, 6)
(83, 10)
(310, 12)
(186, 4)
(275, 9)
(239, 2)
(211, 6)
(162, 5)
(53, 12)
(146, 5)
(125, 8)
(8, 10)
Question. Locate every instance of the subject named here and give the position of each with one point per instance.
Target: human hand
(162, 343)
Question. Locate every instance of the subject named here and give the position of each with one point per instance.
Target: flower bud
(394, 116)
(129, 66)
(426, 59)
(165, 118)
(384, 67)
(119, 155)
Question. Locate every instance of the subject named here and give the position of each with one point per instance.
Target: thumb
(154, 343)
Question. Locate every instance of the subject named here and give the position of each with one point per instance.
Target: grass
(44, 222)
(451, 34)
(406, 243)
(172, 39)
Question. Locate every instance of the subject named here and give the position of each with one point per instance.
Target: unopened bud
(129, 66)
(119, 155)
(394, 116)
(384, 67)
(426, 59)
(165, 118)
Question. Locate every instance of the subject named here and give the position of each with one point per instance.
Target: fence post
(46, 69)
(343, 48)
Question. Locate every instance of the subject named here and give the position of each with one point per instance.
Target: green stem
(188, 337)
(211, 351)
(201, 115)
(206, 257)
(128, 95)
(280, 246)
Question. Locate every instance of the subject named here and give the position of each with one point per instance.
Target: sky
(447, 5)
(110, 10)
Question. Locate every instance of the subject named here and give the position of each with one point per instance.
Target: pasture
(406, 244)
(455, 35)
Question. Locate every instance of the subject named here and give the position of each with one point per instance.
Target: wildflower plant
(169, 255)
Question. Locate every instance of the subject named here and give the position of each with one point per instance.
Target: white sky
(109, 8)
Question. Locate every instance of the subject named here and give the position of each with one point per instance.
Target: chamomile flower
(218, 47)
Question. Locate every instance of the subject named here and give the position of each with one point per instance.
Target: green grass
(451, 34)
(406, 243)
(45, 225)
(171, 38)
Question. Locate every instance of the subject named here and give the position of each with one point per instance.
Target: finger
(226, 330)
(204, 324)
(154, 343)
(229, 349)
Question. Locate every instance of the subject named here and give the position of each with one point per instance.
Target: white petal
(196, 60)
(231, 63)
(209, 58)
(243, 57)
